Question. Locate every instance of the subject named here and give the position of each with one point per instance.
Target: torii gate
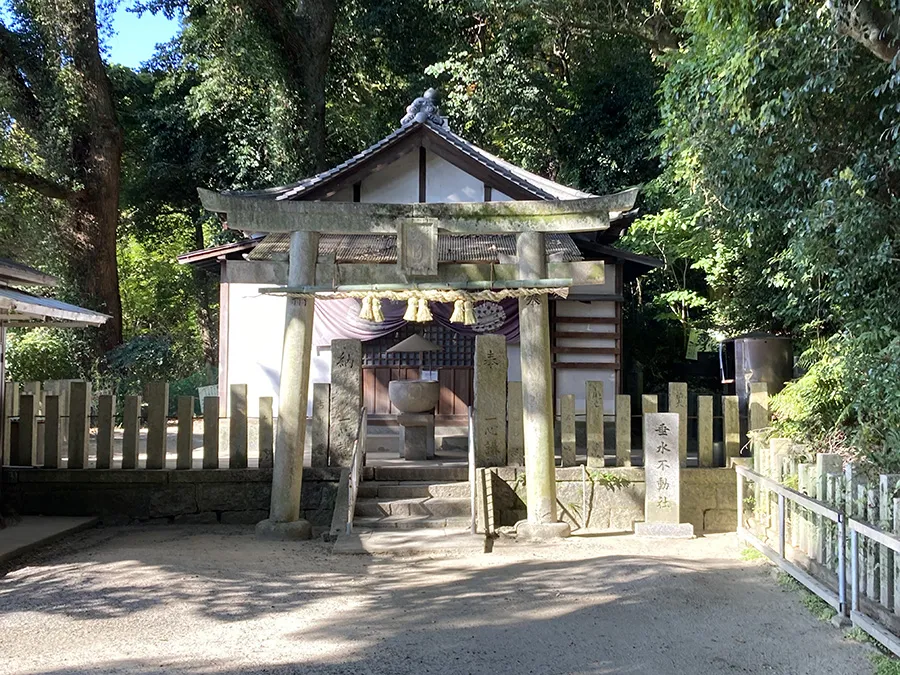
(416, 227)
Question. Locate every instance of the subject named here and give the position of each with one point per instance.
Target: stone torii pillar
(416, 227)
(284, 520)
(537, 397)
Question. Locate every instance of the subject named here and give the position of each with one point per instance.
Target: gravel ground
(214, 600)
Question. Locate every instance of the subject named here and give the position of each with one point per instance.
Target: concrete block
(173, 501)
(233, 497)
(720, 520)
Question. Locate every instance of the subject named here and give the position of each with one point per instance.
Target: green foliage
(777, 208)
(885, 665)
(750, 554)
(809, 409)
(608, 479)
(816, 606)
(41, 354)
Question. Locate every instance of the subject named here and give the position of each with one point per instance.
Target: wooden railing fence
(832, 527)
(51, 426)
(710, 428)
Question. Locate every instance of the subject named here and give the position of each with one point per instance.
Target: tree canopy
(765, 133)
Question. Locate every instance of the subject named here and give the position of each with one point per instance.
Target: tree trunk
(317, 22)
(205, 286)
(301, 34)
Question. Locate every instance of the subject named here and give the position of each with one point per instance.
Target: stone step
(413, 542)
(418, 506)
(411, 489)
(407, 523)
(433, 474)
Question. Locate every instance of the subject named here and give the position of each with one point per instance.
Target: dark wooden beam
(587, 319)
(357, 191)
(585, 350)
(488, 193)
(585, 365)
(581, 335)
(423, 182)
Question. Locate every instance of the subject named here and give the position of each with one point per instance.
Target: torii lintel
(256, 214)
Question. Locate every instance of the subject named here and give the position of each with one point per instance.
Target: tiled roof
(541, 188)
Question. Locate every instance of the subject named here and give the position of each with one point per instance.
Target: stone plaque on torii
(416, 227)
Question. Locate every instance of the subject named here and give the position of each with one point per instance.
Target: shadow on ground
(217, 601)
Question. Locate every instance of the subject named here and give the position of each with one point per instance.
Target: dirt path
(214, 600)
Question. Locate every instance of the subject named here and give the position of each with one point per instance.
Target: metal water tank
(761, 357)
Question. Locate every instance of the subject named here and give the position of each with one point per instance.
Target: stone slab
(318, 424)
(678, 404)
(345, 400)
(238, 427)
(705, 430)
(664, 530)
(266, 432)
(414, 441)
(662, 468)
(567, 429)
(527, 531)
(623, 430)
(594, 424)
(490, 400)
(297, 530)
(515, 425)
(411, 542)
(32, 532)
(79, 422)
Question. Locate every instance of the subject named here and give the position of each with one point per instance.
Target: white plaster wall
(497, 196)
(444, 182)
(397, 183)
(572, 381)
(255, 340)
(607, 287)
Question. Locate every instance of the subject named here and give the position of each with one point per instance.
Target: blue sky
(136, 37)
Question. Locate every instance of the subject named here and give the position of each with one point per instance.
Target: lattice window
(456, 349)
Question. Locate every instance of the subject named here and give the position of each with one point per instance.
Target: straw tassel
(366, 311)
(469, 313)
(377, 314)
(424, 314)
(410, 310)
(458, 315)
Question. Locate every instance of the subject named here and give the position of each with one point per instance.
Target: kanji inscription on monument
(662, 473)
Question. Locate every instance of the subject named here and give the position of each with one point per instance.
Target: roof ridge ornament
(424, 109)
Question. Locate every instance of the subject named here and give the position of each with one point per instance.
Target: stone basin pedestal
(416, 400)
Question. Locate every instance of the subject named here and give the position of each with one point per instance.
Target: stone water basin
(414, 396)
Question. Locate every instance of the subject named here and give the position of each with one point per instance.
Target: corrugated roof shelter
(18, 308)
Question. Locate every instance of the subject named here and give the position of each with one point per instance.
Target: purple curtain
(340, 319)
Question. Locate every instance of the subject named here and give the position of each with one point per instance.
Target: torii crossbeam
(416, 227)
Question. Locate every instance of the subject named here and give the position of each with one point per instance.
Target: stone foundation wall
(238, 496)
(708, 498)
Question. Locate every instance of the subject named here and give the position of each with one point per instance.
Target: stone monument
(662, 475)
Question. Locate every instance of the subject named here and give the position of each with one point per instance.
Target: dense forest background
(765, 134)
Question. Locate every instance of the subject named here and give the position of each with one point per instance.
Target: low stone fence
(199, 496)
(607, 499)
